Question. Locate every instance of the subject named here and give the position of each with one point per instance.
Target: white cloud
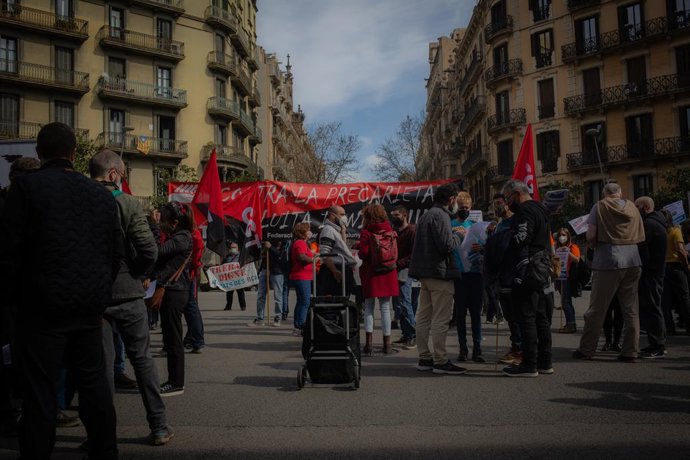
(347, 55)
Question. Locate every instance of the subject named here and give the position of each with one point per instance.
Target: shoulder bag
(155, 301)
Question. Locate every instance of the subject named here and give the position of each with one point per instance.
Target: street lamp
(594, 132)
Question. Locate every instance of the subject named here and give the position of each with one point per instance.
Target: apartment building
(162, 81)
(286, 138)
(604, 83)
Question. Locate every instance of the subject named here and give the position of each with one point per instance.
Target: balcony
(474, 160)
(253, 59)
(508, 120)
(679, 21)
(627, 94)
(500, 173)
(225, 64)
(171, 7)
(280, 171)
(507, 69)
(659, 149)
(256, 136)
(136, 42)
(223, 108)
(26, 130)
(246, 124)
(44, 22)
(575, 5)
(242, 81)
(225, 20)
(121, 89)
(498, 28)
(241, 42)
(133, 144)
(654, 29)
(44, 77)
(473, 71)
(476, 108)
(254, 98)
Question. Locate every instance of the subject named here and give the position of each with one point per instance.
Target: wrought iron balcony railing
(241, 40)
(226, 108)
(174, 7)
(503, 70)
(254, 98)
(472, 72)
(498, 27)
(253, 58)
(256, 136)
(27, 74)
(500, 173)
(143, 145)
(150, 45)
(472, 114)
(221, 62)
(656, 28)
(246, 123)
(506, 120)
(475, 158)
(679, 21)
(627, 94)
(219, 17)
(29, 130)
(653, 150)
(243, 80)
(45, 22)
(224, 153)
(142, 93)
(574, 5)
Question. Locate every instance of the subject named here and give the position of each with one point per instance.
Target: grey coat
(434, 243)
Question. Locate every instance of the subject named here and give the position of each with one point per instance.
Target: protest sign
(677, 211)
(232, 276)
(563, 253)
(476, 234)
(476, 215)
(579, 224)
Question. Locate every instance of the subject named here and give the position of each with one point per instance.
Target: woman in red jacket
(378, 251)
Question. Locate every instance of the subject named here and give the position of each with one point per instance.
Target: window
(542, 48)
(637, 77)
(684, 113)
(237, 139)
(498, 15)
(164, 34)
(166, 133)
(117, 68)
(592, 86)
(219, 44)
(9, 114)
(116, 126)
(587, 35)
(639, 136)
(64, 64)
(502, 107)
(64, 9)
(222, 134)
(8, 55)
(541, 9)
(117, 23)
(643, 185)
(547, 100)
(164, 82)
(594, 146)
(505, 158)
(220, 87)
(64, 112)
(630, 22)
(501, 58)
(548, 151)
(678, 13)
(593, 192)
(10, 6)
(682, 65)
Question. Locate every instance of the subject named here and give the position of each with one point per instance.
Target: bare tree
(330, 156)
(398, 157)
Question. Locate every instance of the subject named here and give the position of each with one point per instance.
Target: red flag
(524, 167)
(125, 187)
(208, 206)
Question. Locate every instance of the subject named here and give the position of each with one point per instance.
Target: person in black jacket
(174, 252)
(70, 224)
(651, 286)
(530, 226)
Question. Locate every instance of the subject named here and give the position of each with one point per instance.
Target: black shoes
(448, 368)
(650, 353)
(519, 371)
(425, 365)
(123, 381)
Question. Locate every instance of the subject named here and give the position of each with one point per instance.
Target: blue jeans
(192, 316)
(567, 302)
(384, 304)
(286, 296)
(406, 311)
(469, 293)
(303, 290)
(276, 284)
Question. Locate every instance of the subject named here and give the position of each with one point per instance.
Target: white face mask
(343, 221)
(454, 209)
(233, 251)
(563, 239)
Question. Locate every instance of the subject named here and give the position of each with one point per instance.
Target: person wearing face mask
(469, 289)
(651, 287)
(301, 273)
(234, 256)
(332, 240)
(566, 286)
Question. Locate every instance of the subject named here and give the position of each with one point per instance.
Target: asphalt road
(241, 401)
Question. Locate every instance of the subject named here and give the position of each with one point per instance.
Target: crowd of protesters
(100, 253)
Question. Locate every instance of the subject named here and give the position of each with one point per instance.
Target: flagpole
(268, 286)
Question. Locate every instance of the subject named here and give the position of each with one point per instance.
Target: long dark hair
(180, 212)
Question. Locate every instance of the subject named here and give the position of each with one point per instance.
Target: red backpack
(384, 254)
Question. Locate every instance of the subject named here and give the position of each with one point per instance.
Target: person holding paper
(566, 286)
(234, 256)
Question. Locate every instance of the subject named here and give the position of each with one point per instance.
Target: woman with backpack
(565, 287)
(378, 250)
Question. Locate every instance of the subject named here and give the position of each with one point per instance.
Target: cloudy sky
(360, 62)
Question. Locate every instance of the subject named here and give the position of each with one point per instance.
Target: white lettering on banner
(247, 218)
(529, 178)
(230, 276)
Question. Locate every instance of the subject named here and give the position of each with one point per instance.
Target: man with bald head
(332, 240)
(128, 312)
(651, 287)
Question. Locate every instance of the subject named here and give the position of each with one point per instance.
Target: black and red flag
(208, 203)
